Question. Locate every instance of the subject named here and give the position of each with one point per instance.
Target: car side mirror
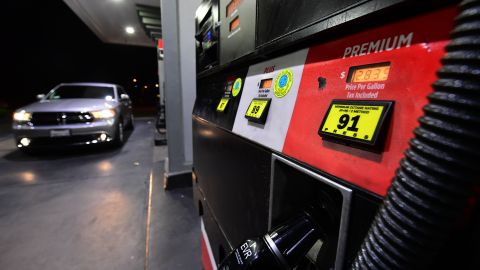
(124, 97)
(40, 96)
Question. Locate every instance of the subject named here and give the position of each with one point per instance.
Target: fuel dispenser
(337, 134)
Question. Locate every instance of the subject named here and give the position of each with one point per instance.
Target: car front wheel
(119, 134)
(131, 123)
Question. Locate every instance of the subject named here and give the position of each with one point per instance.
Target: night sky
(46, 44)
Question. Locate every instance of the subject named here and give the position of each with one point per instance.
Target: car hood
(70, 105)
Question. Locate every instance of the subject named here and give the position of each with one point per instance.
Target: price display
(232, 6)
(356, 123)
(234, 24)
(258, 110)
(267, 83)
(369, 73)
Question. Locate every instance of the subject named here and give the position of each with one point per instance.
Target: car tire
(131, 123)
(119, 139)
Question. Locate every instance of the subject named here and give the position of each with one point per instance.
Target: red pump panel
(413, 48)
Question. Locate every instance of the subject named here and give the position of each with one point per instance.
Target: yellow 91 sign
(222, 104)
(355, 121)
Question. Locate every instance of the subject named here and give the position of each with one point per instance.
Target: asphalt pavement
(5, 127)
(91, 208)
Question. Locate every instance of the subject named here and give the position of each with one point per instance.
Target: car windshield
(82, 91)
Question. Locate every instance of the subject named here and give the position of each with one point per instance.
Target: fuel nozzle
(282, 248)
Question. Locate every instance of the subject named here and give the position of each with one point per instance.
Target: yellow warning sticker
(256, 108)
(237, 86)
(222, 104)
(354, 121)
(283, 83)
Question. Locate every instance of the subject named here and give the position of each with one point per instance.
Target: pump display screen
(232, 6)
(357, 122)
(369, 73)
(258, 110)
(267, 83)
(234, 24)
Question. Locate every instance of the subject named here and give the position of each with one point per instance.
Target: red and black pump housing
(367, 104)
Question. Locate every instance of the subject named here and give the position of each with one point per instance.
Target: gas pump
(321, 138)
(283, 248)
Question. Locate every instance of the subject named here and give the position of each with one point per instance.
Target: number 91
(345, 119)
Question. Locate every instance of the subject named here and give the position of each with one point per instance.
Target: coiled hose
(442, 165)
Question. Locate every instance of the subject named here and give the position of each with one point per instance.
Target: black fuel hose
(438, 173)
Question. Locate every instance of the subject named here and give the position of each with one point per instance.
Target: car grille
(63, 141)
(60, 118)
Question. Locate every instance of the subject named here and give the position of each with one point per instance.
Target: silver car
(74, 114)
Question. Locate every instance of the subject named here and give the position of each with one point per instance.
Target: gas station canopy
(109, 20)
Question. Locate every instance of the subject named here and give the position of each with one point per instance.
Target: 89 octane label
(354, 121)
(256, 108)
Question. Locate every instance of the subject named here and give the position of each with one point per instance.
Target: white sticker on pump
(268, 98)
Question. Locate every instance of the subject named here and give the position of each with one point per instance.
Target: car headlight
(107, 113)
(22, 116)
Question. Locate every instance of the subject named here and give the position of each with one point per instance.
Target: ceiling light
(130, 30)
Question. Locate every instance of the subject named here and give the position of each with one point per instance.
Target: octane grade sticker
(354, 121)
(222, 104)
(283, 83)
(256, 108)
(237, 85)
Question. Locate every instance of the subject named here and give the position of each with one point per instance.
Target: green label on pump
(283, 82)
(237, 85)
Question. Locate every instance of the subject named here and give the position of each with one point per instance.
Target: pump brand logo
(386, 44)
(283, 82)
(269, 69)
(237, 85)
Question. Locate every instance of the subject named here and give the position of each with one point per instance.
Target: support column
(178, 31)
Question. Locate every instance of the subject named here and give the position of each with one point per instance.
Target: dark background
(44, 43)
